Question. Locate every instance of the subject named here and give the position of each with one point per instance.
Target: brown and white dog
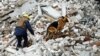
(56, 27)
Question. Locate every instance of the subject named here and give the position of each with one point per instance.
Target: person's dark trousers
(19, 39)
(25, 41)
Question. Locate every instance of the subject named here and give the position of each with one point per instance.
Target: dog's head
(61, 19)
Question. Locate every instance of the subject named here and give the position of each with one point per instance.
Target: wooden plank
(6, 13)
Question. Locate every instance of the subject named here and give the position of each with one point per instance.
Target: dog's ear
(62, 17)
(66, 18)
(66, 15)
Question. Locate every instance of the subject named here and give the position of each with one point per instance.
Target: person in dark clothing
(21, 30)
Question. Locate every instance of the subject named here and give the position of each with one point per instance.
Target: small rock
(97, 34)
(55, 5)
(95, 48)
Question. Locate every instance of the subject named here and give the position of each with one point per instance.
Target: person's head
(25, 15)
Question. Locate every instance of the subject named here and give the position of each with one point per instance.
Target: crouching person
(21, 30)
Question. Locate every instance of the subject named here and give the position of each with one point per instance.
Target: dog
(55, 27)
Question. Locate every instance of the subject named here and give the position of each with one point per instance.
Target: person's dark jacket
(23, 31)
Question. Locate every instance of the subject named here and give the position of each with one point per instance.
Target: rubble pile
(83, 28)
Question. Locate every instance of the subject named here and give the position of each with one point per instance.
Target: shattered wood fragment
(7, 13)
(20, 3)
(63, 9)
(13, 51)
(48, 18)
(39, 10)
(9, 42)
(35, 19)
(6, 18)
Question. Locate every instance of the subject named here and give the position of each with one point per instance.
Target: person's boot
(18, 47)
(30, 42)
(25, 44)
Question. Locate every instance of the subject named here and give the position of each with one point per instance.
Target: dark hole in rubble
(98, 1)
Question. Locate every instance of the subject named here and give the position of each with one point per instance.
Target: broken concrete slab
(52, 12)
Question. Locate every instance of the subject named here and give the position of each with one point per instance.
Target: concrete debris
(39, 10)
(49, 9)
(47, 18)
(80, 36)
(63, 9)
(11, 50)
(97, 34)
